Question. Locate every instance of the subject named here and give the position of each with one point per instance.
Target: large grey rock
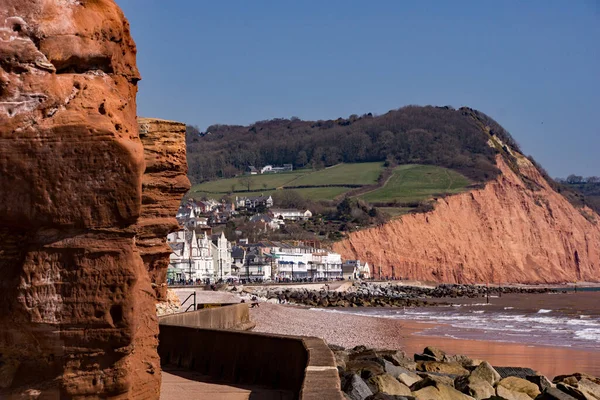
(384, 396)
(440, 392)
(540, 380)
(341, 358)
(365, 368)
(519, 372)
(487, 373)
(443, 368)
(366, 354)
(409, 378)
(479, 389)
(508, 394)
(356, 388)
(394, 370)
(571, 391)
(434, 352)
(589, 388)
(431, 380)
(399, 359)
(554, 394)
(389, 385)
(462, 360)
(515, 384)
(574, 378)
(424, 357)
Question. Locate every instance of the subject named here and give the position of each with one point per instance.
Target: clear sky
(534, 65)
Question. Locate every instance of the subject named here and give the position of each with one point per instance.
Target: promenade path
(182, 384)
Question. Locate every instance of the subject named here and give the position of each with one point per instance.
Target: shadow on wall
(302, 366)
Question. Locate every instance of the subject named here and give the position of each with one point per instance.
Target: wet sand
(351, 330)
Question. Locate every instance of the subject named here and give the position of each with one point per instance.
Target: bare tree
(574, 179)
(246, 181)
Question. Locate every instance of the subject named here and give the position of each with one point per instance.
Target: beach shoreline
(350, 330)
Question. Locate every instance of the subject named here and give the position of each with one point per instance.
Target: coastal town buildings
(355, 269)
(199, 257)
(290, 214)
(266, 222)
(222, 258)
(299, 260)
(254, 202)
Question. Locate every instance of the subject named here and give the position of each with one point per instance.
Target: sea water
(564, 320)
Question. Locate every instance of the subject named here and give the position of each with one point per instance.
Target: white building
(222, 259)
(194, 220)
(299, 262)
(253, 202)
(290, 214)
(355, 269)
(198, 257)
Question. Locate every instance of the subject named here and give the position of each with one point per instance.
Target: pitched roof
(261, 218)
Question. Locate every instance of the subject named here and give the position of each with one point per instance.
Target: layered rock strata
(163, 185)
(516, 229)
(77, 308)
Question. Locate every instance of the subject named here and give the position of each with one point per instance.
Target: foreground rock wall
(163, 185)
(504, 233)
(77, 308)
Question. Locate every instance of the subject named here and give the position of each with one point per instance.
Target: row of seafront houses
(200, 257)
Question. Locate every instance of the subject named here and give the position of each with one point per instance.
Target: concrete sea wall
(304, 366)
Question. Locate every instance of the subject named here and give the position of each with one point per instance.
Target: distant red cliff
(503, 233)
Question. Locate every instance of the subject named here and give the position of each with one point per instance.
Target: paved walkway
(182, 384)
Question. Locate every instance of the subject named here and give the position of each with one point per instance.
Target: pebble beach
(349, 330)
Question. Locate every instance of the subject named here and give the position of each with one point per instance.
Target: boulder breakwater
(373, 374)
(384, 295)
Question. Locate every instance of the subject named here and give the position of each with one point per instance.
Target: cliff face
(164, 183)
(77, 309)
(507, 232)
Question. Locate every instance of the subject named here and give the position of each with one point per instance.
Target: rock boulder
(389, 385)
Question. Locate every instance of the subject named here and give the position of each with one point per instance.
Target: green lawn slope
(409, 184)
(414, 183)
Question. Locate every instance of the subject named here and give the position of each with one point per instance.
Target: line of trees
(578, 179)
(428, 135)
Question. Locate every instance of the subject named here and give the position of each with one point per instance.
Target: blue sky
(534, 66)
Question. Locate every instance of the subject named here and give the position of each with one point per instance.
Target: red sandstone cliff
(77, 308)
(503, 233)
(164, 183)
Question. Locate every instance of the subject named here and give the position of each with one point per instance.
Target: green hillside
(415, 183)
(407, 185)
(313, 193)
(257, 183)
(342, 174)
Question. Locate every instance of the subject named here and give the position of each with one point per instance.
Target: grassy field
(327, 193)
(258, 182)
(343, 174)
(410, 183)
(395, 211)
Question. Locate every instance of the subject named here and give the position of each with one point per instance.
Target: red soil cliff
(164, 183)
(503, 233)
(77, 306)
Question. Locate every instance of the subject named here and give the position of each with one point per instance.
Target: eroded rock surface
(77, 308)
(506, 232)
(164, 183)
